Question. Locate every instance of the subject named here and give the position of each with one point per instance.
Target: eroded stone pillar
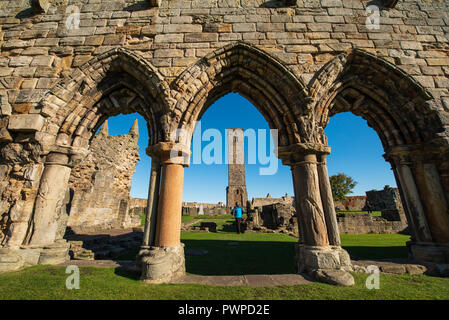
(425, 200)
(164, 260)
(153, 197)
(50, 216)
(149, 233)
(318, 252)
(434, 201)
(50, 198)
(328, 202)
(298, 215)
(436, 209)
(308, 201)
(413, 205)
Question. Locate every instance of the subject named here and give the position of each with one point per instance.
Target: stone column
(49, 217)
(328, 203)
(434, 201)
(308, 201)
(168, 232)
(149, 233)
(164, 260)
(413, 205)
(409, 219)
(437, 215)
(316, 254)
(153, 197)
(425, 199)
(50, 197)
(299, 216)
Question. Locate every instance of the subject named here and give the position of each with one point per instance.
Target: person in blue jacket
(238, 212)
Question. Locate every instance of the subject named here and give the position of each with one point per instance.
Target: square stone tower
(236, 190)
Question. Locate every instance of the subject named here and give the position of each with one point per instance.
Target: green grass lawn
(48, 282)
(255, 253)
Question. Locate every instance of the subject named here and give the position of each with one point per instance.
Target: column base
(12, 259)
(326, 264)
(143, 252)
(436, 256)
(162, 265)
(56, 253)
(429, 252)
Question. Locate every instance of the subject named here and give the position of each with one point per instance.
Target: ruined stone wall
(389, 202)
(38, 51)
(188, 208)
(101, 184)
(204, 205)
(281, 217)
(388, 198)
(268, 200)
(351, 203)
(208, 209)
(361, 223)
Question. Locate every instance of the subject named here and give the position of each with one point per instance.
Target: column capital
(303, 153)
(413, 153)
(170, 153)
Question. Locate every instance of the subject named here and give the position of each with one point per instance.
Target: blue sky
(356, 151)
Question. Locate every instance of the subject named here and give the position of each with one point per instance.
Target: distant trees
(341, 185)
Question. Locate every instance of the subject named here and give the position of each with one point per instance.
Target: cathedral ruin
(68, 65)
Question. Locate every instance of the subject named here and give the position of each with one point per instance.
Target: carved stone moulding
(154, 3)
(384, 3)
(42, 6)
(296, 152)
(389, 3)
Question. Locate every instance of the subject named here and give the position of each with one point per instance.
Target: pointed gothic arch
(397, 107)
(408, 121)
(241, 67)
(117, 81)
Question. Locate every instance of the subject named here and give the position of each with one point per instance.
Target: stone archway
(282, 99)
(404, 115)
(409, 124)
(116, 82)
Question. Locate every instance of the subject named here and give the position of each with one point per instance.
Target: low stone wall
(138, 207)
(268, 200)
(208, 209)
(281, 217)
(359, 223)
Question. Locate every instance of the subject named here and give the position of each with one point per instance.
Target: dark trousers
(238, 224)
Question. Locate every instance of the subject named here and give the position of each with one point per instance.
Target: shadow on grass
(247, 257)
(239, 257)
(127, 273)
(374, 253)
(229, 226)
